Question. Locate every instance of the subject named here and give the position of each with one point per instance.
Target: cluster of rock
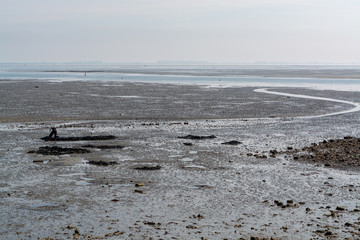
(332, 153)
(56, 150)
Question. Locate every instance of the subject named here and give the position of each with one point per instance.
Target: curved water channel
(356, 106)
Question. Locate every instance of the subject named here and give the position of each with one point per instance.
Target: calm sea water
(213, 75)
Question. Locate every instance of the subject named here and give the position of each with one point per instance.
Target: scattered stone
(194, 137)
(150, 124)
(192, 227)
(54, 150)
(339, 208)
(199, 216)
(188, 144)
(233, 142)
(139, 184)
(150, 223)
(148, 168)
(333, 153)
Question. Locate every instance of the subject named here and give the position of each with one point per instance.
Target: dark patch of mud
(102, 162)
(148, 168)
(104, 146)
(58, 150)
(337, 153)
(187, 144)
(85, 138)
(195, 137)
(233, 142)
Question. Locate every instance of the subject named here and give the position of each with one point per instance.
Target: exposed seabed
(165, 187)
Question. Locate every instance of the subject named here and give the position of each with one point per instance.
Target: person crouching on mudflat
(53, 132)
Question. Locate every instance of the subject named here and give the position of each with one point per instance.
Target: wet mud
(165, 187)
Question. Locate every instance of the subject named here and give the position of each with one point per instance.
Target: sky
(214, 31)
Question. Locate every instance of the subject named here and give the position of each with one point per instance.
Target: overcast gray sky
(221, 31)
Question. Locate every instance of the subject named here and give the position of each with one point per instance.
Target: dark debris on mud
(147, 168)
(233, 142)
(102, 162)
(84, 138)
(195, 137)
(58, 150)
(332, 153)
(104, 146)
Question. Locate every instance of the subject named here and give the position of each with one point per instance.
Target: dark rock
(339, 208)
(102, 163)
(328, 233)
(233, 142)
(59, 150)
(194, 137)
(188, 144)
(85, 138)
(158, 167)
(38, 161)
(347, 224)
(273, 152)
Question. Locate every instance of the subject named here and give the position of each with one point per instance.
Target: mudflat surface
(162, 186)
(50, 101)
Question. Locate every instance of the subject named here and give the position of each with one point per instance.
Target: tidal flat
(152, 181)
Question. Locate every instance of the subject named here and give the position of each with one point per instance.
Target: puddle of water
(45, 206)
(82, 183)
(194, 166)
(71, 174)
